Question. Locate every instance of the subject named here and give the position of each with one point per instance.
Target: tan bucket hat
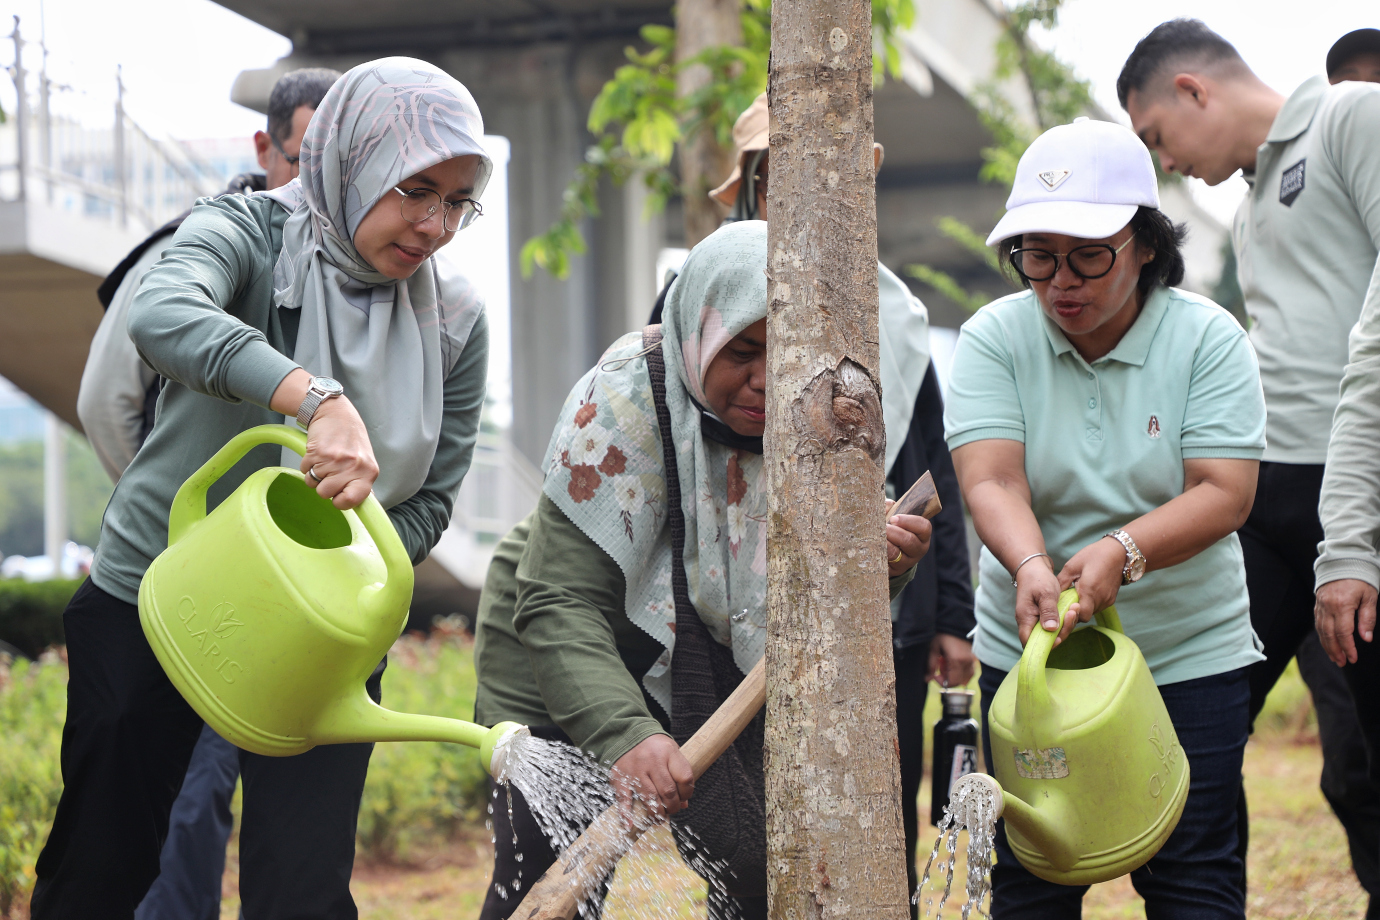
(750, 134)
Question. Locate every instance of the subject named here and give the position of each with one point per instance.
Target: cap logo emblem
(1052, 178)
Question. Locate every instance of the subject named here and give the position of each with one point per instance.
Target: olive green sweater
(554, 645)
(204, 319)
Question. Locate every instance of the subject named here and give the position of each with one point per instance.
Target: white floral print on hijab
(604, 467)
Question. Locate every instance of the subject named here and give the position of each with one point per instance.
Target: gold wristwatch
(1135, 559)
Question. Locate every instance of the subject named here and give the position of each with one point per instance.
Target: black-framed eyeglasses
(291, 161)
(1087, 262)
(421, 204)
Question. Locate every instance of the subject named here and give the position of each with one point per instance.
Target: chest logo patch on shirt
(1053, 178)
(1153, 429)
(1291, 183)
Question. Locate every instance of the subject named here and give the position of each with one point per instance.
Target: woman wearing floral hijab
(320, 302)
(634, 596)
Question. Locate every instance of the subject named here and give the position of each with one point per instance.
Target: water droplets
(566, 790)
(973, 806)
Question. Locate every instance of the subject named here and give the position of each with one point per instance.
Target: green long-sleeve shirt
(204, 319)
(554, 645)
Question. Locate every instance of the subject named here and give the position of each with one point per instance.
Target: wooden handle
(585, 863)
(921, 498)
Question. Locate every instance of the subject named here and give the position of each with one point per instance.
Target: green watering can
(269, 613)
(1090, 775)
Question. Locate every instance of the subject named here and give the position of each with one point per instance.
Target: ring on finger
(312, 473)
(898, 557)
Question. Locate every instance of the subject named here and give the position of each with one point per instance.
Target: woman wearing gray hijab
(318, 302)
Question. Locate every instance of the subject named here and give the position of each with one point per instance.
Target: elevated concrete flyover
(74, 199)
(51, 261)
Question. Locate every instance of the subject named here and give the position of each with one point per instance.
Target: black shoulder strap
(106, 292)
(727, 816)
(242, 184)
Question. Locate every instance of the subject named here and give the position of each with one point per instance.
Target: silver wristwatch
(1135, 559)
(320, 390)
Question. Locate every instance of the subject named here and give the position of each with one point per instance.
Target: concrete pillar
(54, 491)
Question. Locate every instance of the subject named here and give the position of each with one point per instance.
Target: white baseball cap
(1085, 179)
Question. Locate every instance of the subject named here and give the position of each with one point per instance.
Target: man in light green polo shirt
(1306, 243)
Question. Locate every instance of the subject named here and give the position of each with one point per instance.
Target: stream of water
(567, 790)
(973, 806)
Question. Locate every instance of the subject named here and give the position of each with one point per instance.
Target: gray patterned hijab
(382, 339)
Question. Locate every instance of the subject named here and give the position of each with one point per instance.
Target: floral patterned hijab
(604, 467)
(389, 343)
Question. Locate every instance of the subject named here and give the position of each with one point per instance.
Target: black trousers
(1280, 543)
(911, 688)
(126, 744)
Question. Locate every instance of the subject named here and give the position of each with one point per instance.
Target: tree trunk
(702, 24)
(834, 840)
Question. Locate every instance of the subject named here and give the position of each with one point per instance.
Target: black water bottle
(955, 748)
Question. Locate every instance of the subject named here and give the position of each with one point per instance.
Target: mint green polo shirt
(1106, 443)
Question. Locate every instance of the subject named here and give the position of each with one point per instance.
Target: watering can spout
(1040, 826)
(368, 721)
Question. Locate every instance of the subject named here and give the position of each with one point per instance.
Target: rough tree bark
(834, 840)
(702, 24)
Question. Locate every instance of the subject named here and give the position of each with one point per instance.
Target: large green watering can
(270, 612)
(1090, 775)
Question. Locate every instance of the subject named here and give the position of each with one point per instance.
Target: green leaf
(969, 239)
(945, 284)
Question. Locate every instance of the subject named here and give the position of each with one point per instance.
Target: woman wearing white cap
(1107, 429)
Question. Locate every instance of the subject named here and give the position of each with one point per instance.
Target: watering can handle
(189, 505)
(1033, 705)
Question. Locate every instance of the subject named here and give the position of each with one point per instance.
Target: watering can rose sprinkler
(269, 613)
(1090, 775)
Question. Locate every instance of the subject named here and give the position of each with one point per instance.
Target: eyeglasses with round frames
(420, 204)
(1087, 262)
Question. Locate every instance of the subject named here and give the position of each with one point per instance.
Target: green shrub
(31, 612)
(420, 793)
(33, 704)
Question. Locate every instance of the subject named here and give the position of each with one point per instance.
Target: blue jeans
(1197, 874)
(193, 857)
